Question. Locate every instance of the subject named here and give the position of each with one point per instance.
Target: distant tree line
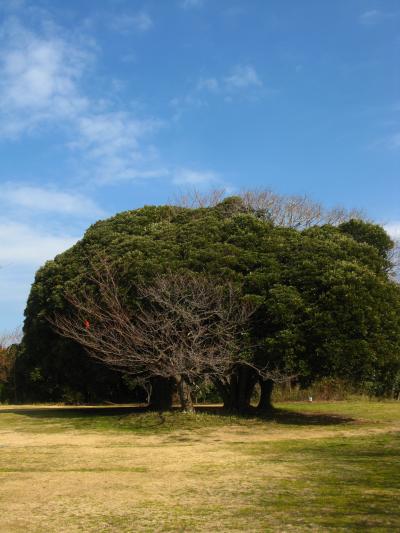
(9, 347)
(237, 291)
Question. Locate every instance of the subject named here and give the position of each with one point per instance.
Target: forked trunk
(242, 385)
(236, 393)
(185, 396)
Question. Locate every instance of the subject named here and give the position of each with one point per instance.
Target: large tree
(326, 304)
(185, 327)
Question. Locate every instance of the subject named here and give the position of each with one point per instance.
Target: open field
(310, 467)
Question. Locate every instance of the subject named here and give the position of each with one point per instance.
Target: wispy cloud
(23, 245)
(393, 229)
(375, 16)
(370, 17)
(208, 84)
(38, 80)
(241, 77)
(40, 87)
(242, 81)
(111, 144)
(128, 23)
(48, 200)
(390, 142)
(181, 104)
(187, 176)
(189, 4)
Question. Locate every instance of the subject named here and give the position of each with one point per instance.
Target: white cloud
(243, 81)
(38, 80)
(40, 199)
(127, 23)
(107, 133)
(112, 145)
(240, 79)
(23, 249)
(393, 229)
(374, 16)
(186, 176)
(370, 17)
(208, 84)
(188, 4)
(40, 85)
(390, 142)
(243, 76)
(23, 245)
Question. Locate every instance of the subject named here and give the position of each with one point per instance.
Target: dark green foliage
(370, 234)
(326, 304)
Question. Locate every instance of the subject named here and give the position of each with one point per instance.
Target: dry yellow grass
(62, 479)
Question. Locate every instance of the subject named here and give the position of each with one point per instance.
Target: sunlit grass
(306, 467)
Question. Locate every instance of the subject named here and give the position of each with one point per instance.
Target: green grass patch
(118, 419)
(141, 421)
(349, 483)
(377, 411)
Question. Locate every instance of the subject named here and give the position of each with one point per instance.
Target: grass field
(310, 467)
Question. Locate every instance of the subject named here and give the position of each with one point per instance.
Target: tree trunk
(224, 390)
(234, 399)
(265, 403)
(161, 394)
(185, 395)
(247, 380)
(238, 393)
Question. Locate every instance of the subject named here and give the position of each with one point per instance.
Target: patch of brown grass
(76, 480)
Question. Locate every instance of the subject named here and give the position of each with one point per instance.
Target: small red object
(86, 324)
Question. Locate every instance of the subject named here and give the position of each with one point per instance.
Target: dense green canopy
(327, 305)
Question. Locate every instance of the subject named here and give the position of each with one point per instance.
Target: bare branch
(274, 374)
(298, 212)
(184, 326)
(195, 198)
(8, 338)
(7, 354)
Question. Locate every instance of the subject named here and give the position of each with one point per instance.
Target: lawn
(309, 467)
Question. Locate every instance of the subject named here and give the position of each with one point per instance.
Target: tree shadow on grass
(134, 418)
(283, 416)
(121, 413)
(77, 412)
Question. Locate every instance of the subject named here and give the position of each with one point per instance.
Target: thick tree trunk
(234, 399)
(247, 381)
(185, 395)
(237, 394)
(224, 390)
(265, 403)
(161, 394)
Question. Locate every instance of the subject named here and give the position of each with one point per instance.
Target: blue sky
(106, 105)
